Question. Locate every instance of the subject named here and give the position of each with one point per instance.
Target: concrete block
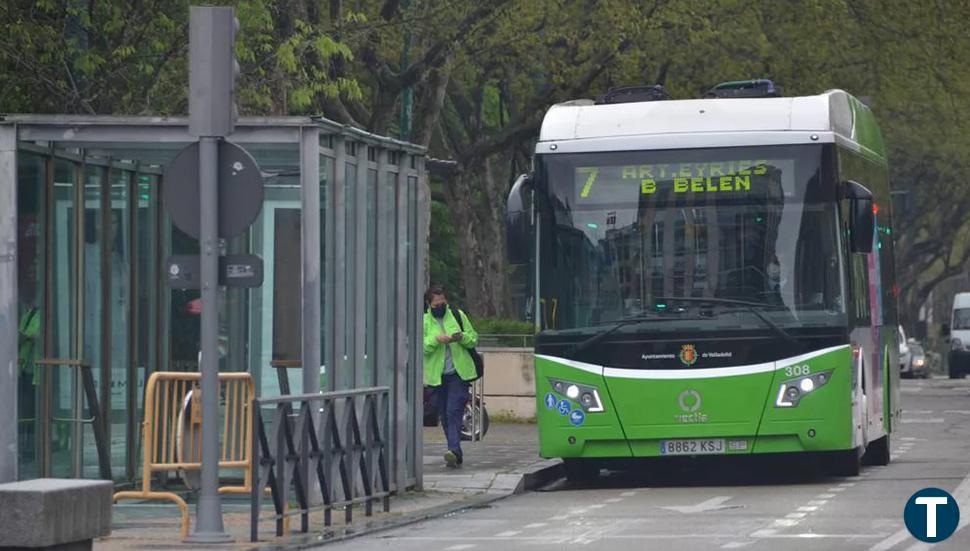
(46, 512)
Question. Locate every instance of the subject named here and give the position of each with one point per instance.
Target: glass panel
(287, 298)
(147, 299)
(92, 307)
(62, 307)
(275, 308)
(326, 176)
(413, 337)
(345, 378)
(118, 243)
(388, 264)
(31, 175)
(370, 289)
(234, 317)
(185, 306)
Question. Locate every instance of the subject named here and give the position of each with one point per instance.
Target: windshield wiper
(618, 323)
(749, 306)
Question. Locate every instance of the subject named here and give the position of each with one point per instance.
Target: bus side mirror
(862, 220)
(518, 221)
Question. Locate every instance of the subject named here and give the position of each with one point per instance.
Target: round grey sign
(240, 190)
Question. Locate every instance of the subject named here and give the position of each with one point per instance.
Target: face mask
(438, 311)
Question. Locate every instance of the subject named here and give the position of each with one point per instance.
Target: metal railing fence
(339, 439)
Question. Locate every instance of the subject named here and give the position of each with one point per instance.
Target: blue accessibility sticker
(564, 407)
(577, 417)
(550, 400)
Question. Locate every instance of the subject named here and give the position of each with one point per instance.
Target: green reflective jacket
(434, 352)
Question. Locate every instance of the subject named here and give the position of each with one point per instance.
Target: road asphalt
(745, 504)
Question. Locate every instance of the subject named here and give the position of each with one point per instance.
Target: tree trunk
(480, 226)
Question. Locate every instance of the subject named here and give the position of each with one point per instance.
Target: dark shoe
(451, 460)
(461, 457)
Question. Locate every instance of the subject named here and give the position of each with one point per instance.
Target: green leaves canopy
(483, 73)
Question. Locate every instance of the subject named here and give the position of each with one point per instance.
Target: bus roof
(834, 116)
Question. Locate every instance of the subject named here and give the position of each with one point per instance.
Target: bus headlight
(790, 393)
(587, 396)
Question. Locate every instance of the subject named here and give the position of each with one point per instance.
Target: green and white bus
(712, 276)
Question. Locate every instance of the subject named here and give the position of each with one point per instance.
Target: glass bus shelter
(83, 218)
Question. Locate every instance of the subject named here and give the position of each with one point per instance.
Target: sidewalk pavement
(504, 463)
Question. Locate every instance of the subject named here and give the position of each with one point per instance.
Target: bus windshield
(628, 229)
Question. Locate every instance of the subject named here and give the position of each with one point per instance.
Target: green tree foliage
(444, 260)
(131, 57)
(483, 73)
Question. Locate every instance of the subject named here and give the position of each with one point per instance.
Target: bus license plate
(694, 446)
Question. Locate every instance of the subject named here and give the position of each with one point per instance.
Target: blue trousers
(450, 398)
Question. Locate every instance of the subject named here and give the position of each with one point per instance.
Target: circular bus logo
(689, 400)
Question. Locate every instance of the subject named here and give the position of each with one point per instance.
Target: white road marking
(796, 515)
(736, 544)
(460, 546)
(614, 500)
(535, 525)
(917, 411)
(763, 533)
(597, 506)
(712, 504)
(817, 502)
(923, 421)
(575, 511)
(960, 411)
(847, 484)
(824, 496)
(627, 494)
(912, 439)
(785, 522)
(654, 536)
(836, 489)
(508, 534)
(808, 509)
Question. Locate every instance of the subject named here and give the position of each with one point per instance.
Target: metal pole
(208, 525)
(310, 228)
(9, 318)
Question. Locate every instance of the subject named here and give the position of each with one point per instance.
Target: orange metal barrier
(172, 442)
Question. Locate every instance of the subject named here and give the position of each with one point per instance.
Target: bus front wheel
(581, 470)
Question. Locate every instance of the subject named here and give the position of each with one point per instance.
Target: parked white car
(918, 365)
(904, 353)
